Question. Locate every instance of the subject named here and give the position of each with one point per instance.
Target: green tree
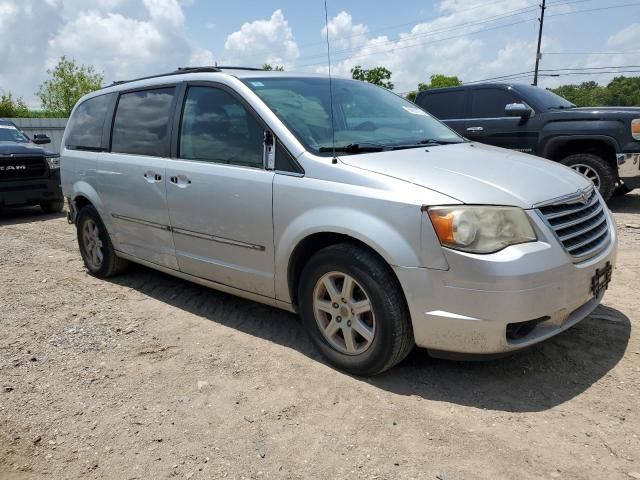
(12, 107)
(269, 67)
(438, 80)
(67, 83)
(620, 92)
(380, 76)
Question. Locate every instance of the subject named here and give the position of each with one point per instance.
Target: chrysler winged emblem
(584, 196)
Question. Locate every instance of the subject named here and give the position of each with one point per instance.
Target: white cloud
(343, 33)
(120, 38)
(261, 41)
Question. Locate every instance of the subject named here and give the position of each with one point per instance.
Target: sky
(473, 39)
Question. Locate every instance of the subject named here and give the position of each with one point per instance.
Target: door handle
(152, 177)
(180, 181)
(475, 129)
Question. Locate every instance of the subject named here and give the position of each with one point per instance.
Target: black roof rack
(184, 70)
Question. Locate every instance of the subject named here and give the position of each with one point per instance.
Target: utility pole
(538, 55)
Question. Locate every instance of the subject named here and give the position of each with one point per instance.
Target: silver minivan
(340, 201)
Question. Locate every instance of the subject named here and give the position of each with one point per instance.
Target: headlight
(635, 128)
(480, 229)
(54, 162)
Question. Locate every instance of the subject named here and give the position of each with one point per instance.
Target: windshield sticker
(416, 111)
(8, 127)
(257, 84)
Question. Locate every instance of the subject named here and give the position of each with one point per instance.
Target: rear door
(450, 106)
(488, 123)
(219, 192)
(131, 178)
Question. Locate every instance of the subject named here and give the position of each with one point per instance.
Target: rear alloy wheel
(95, 245)
(594, 168)
(354, 309)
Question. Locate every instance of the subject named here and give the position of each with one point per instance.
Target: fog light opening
(519, 330)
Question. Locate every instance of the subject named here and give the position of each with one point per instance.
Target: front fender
(394, 246)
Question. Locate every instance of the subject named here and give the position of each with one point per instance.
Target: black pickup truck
(602, 143)
(29, 174)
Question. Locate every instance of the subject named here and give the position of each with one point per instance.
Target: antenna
(333, 128)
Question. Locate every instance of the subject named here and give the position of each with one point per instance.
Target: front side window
(217, 128)
(142, 120)
(363, 114)
(444, 105)
(10, 133)
(490, 102)
(87, 123)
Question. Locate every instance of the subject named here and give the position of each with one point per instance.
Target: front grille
(22, 168)
(581, 227)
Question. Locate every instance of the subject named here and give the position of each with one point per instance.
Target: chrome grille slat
(591, 238)
(577, 221)
(582, 230)
(563, 213)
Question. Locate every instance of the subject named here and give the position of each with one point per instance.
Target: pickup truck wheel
(596, 169)
(354, 310)
(95, 245)
(52, 207)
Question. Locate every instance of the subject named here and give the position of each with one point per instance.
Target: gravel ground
(146, 376)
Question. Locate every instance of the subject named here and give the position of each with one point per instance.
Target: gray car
(340, 201)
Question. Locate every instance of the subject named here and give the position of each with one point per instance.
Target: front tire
(354, 310)
(596, 169)
(52, 207)
(95, 245)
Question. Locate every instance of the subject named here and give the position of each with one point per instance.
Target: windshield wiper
(356, 148)
(426, 142)
(562, 107)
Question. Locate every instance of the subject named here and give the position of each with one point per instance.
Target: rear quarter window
(87, 123)
(444, 105)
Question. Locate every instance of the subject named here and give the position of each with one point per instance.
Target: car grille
(580, 226)
(22, 168)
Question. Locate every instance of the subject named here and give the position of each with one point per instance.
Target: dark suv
(29, 174)
(602, 143)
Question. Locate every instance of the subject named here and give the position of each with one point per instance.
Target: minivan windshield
(9, 133)
(366, 118)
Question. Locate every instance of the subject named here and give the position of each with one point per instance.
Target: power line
(626, 52)
(431, 41)
(468, 33)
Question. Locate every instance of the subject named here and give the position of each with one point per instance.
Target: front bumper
(629, 169)
(466, 309)
(31, 191)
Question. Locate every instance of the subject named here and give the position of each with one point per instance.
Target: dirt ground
(149, 377)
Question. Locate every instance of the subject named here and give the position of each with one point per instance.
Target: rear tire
(52, 207)
(95, 245)
(596, 169)
(354, 310)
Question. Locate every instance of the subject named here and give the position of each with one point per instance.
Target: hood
(476, 174)
(16, 148)
(635, 110)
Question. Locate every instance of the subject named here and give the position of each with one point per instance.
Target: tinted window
(86, 124)
(141, 125)
(217, 128)
(543, 99)
(490, 102)
(444, 105)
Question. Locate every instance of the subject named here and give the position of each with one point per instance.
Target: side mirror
(518, 110)
(41, 139)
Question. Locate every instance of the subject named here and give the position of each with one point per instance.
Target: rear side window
(216, 127)
(490, 102)
(444, 105)
(87, 123)
(141, 124)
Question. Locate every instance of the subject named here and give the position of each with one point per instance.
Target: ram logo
(12, 168)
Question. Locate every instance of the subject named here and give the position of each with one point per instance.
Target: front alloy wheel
(588, 172)
(344, 313)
